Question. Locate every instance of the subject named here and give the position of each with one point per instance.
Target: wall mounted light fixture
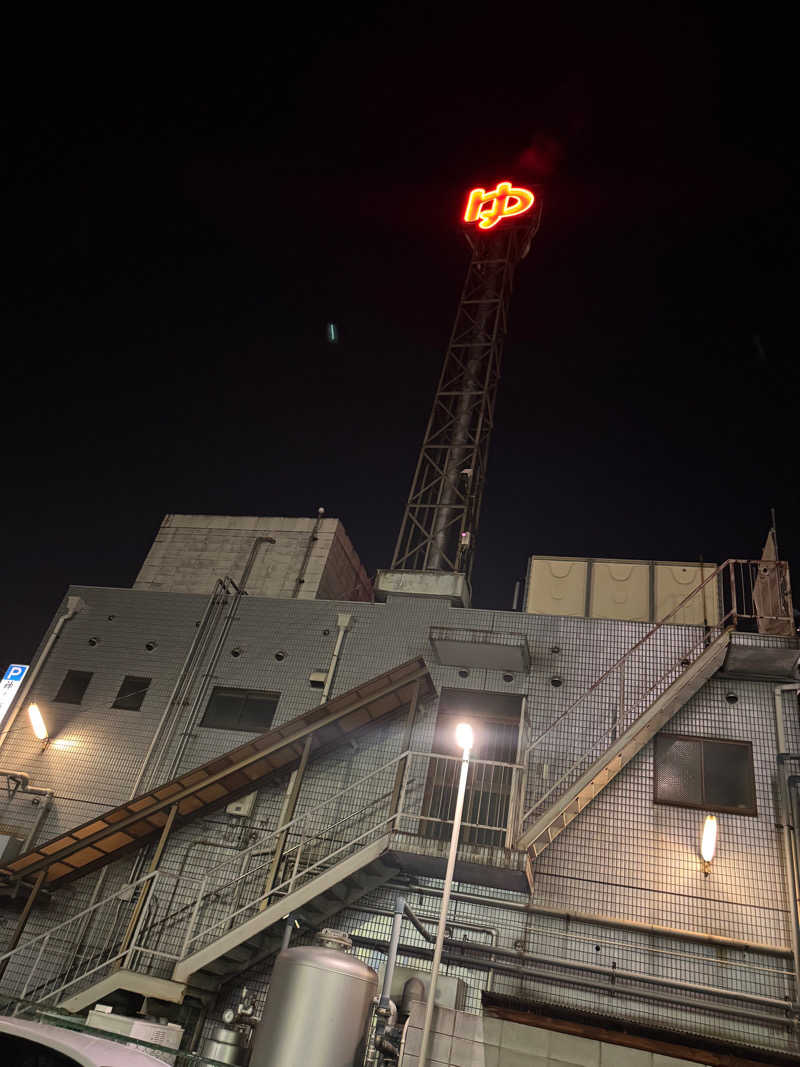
(708, 845)
(38, 723)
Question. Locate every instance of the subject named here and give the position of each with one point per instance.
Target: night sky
(184, 217)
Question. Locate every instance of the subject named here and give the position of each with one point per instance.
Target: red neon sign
(501, 203)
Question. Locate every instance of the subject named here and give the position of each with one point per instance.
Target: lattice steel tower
(440, 522)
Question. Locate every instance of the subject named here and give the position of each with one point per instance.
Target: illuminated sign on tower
(488, 208)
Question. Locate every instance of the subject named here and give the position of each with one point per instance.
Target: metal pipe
(182, 681)
(218, 588)
(788, 840)
(448, 883)
(391, 955)
(259, 541)
(74, 604)
(287, 932)
(197, 702)
(615, 972)
(343, 622)
(41, 815)
(384, 1011)
(23, 784)
(783, 951)
(301, 574)
(417, 921)
(572, 980)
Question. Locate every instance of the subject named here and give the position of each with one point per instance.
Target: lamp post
(464, 739)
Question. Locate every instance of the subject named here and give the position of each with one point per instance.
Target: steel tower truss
(440, 523)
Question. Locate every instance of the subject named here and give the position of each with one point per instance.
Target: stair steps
(552, 822)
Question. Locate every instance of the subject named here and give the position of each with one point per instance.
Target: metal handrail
(274, 890)
(384, 822)
(610, 731)
(126, 889)
(630, 652)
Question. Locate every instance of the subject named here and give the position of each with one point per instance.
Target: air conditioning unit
(165, 1034)
(243, 806)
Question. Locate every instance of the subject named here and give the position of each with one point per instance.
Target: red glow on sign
(501, 203)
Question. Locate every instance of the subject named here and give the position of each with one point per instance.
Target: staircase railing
(557, 757)
(239, 888)
(28, 964)
(413, 793)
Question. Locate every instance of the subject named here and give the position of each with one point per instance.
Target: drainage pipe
(593, 968)
(259, 541)
(391, 955)
(74, 605)
(23, 783)
(183, 679)
(343, 622)
(301, 574)
(788, 839)
(616, 973)
(457, 958)
(417, 922)
(784, 951)
(386, 1009)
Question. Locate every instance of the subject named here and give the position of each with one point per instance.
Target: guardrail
(729, 597)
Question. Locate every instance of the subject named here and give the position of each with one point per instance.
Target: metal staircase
(234, 918)
(327, 857)
(120, 830)
(571, 761)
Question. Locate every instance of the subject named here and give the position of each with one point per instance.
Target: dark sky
(185, 215)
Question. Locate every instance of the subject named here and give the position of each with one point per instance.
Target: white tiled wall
(461, 1040)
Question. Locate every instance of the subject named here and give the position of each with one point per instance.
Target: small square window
(704, 772)
(131, 693)
(72, 689)
(240, 709)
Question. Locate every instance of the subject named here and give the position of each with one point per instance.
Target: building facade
(581, 897)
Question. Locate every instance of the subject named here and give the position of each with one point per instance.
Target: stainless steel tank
(227, 1045)
(316, 1011)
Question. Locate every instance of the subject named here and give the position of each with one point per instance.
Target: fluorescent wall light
(708, 845)
(37, 723)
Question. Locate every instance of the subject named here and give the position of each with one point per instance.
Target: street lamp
(465, 740)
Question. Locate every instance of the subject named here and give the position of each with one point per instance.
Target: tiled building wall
(624, 857)
(462, 1040)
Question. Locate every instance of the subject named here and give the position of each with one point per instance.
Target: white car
(27, 1044)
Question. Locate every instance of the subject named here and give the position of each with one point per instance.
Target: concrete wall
(623, 858)
(190, 552)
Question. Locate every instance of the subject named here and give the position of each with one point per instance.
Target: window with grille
(131, 693)
(240, 709)
(704, 772)
(73, 688)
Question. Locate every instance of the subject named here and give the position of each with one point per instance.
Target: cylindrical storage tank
(316, 1012)
(226, 1045)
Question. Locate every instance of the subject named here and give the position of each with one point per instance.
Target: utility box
(9, 848)
(243, 807)
(450, 992)
(165, 1034)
